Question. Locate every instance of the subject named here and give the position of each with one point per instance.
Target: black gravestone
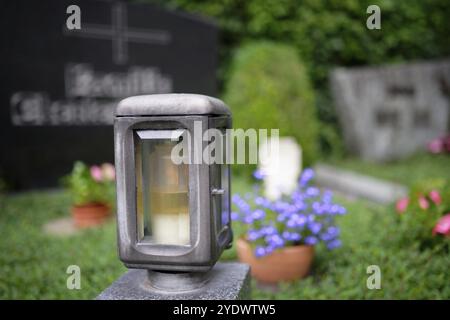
(58, 87)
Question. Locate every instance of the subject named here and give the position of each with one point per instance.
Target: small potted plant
(91, 190)
(280, 235)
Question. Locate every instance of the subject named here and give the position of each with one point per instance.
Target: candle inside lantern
(169, 201)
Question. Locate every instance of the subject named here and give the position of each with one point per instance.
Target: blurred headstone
(59, 86)
(281, 166)
(390, 112)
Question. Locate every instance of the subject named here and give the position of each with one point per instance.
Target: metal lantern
(172, 217)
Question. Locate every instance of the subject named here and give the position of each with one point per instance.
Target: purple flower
(235, 198)
(291, 236)
(269, 249)
(310, 240)
(275, 241)
(235, 216)
(318, 208)
(281, 206)
(282, 216)
(258, 214)
(260, 251)
(292, 223)
(306, 176)
(314, 227)
(259, 174)
(296, 220)
(312, 192)
(248, 219)
(243, 206)
(269, 230)
(297, 196)
(337, 209)
(327, 196)
(333, 230)
(300, 206)
(307, 214)
(336, 243)
(260, 201)
(253, 235)
(330, 234)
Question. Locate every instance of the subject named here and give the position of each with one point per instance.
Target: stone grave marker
(391, 112)
(281, 165)
(58, 87)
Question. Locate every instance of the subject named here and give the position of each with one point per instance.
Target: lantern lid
(171, 104)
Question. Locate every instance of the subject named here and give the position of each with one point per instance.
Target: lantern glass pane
(162, 193)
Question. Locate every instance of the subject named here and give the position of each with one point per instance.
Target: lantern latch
(216, 191)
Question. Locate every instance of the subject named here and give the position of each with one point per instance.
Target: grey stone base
(62, 227)
(228, 281)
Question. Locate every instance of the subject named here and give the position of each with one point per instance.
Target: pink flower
(435, 196)
(423, 203)
(108, 172)
(402, 205)
(443, 226)
(96, 173)
(435, 146)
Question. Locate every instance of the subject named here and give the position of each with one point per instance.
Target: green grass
(409, 171)
(33, 265)
(369, 238)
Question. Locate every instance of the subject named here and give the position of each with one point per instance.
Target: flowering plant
(306, 216)
(91, 185)
(439, 145)
(425, 213)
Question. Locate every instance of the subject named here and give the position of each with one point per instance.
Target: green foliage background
(270, 88)
(328, 33)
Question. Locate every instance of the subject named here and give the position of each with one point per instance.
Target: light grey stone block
(390, 112)
(228, 281)
(355, 184)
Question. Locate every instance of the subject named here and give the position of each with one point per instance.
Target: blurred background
(369, 109)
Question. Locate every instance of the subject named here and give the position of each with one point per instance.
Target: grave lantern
(173, 204)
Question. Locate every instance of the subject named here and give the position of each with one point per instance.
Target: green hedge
(329, 33)
(269, 88)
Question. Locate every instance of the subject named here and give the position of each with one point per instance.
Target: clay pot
(284, 264)
(91, 214)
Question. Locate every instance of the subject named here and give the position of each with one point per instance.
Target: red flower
(443, 226)
(402, 205)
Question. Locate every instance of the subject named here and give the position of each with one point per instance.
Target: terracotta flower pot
(89, 215)
(284, 264)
